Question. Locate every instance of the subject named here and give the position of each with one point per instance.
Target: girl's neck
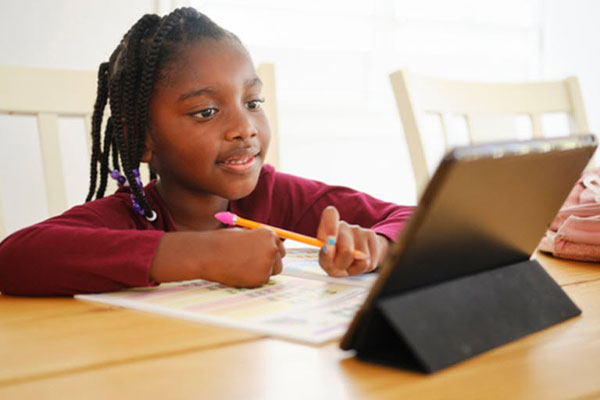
(191, 212)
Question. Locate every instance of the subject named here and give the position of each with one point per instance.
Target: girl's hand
(341, 239)
(255, 255)
(233, 257)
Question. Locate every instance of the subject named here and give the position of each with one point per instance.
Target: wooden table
(64, 348)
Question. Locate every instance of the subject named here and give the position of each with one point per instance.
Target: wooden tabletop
(65, 348)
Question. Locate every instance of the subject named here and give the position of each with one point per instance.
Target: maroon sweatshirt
(103, 245)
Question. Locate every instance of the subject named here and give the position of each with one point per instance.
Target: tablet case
(436, 302)
(431, 328)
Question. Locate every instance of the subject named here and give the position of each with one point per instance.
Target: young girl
(185, 98)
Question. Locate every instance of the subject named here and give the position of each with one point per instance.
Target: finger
(383, 247)
(327, 231)
(326, 260)
(344, 255)
(360, 265)
(277, 265)
(362, 243)
(281, 248)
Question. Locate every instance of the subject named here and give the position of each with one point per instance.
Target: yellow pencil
(231, 219)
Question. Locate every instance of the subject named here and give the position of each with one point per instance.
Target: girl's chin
(241, 189)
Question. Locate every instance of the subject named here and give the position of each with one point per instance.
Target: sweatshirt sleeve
(80, 251)
(297, 203)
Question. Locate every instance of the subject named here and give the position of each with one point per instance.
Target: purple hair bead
(136, 206)
(116, 175)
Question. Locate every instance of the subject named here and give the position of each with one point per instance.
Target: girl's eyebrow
(253, 82)
(196, 92)
(210, 90)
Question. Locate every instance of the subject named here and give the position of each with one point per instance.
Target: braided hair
(126, 82)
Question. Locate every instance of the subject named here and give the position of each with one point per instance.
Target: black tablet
(487, 206)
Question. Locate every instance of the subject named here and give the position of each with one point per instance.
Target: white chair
(266, 72)
(418, 96)
(48, 94)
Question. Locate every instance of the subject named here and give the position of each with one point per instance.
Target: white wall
(65, 33)
(338, 121)
(571, 47)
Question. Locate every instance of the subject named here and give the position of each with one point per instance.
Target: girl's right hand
(233, 256)
(252, 256)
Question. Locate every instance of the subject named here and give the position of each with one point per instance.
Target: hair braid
(149, 68)
(114, 152)
(117, 121)
(105, 156)
(101, 98)
(122, 84)
(127, 81)
(131, 81)
(148, 74)
(146, 83)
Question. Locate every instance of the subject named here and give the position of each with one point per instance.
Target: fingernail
(324, 249)
(331, 240)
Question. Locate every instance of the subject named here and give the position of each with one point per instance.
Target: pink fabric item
(575, 231)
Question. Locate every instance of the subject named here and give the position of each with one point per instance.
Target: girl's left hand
(341, 239)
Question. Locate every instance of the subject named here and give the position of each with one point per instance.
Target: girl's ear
(148, 149)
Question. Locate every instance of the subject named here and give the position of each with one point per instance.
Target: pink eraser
(226, 217)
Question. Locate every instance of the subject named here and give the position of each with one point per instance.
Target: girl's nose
(241, 126)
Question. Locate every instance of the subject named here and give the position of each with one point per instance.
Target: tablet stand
(431, 328)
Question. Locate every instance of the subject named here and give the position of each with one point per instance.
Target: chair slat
(469, 122)
(444, 126)
(536, 125)
(408, 114)
(266, 72)
(56, 193)
(578, 113)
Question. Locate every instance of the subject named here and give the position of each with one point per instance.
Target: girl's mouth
(238, 164)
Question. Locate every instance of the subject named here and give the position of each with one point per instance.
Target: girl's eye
(255, 104)
(206, 113)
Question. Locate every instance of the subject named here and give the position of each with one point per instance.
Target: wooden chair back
(418, 96)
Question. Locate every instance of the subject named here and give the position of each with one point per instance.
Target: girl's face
(208, 133)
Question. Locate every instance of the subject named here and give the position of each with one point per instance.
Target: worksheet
(301, 304)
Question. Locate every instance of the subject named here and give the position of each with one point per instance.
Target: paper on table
(302, 303)
(301, 262)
